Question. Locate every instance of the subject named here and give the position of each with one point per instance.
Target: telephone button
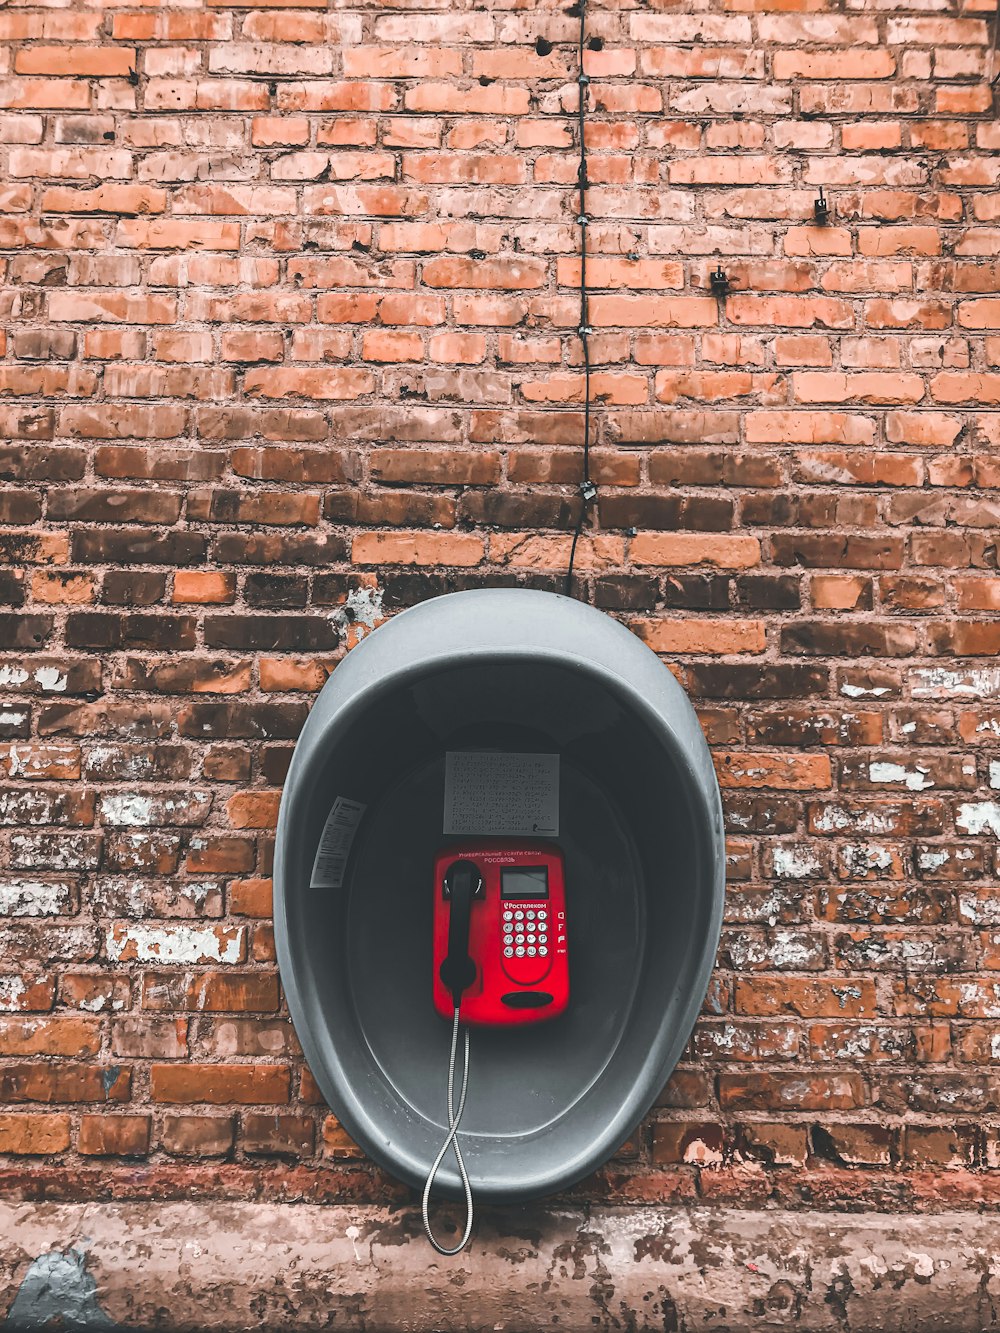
(543, 952)
(531, 951)
(518, 916)
(519, 951)
(508, 916)
(508, 953)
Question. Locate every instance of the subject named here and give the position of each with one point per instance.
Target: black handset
(462, 883)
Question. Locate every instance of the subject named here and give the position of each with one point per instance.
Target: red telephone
(500, 933)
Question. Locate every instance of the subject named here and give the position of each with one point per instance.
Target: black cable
(588, 491)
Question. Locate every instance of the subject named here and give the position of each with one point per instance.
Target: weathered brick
(31, 1134)
(210, 992)
(114, 1135)
(65, 1082)
(197, 1135)
(278, 1135)
(219, 1084)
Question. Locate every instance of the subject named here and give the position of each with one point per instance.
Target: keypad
(525, 933)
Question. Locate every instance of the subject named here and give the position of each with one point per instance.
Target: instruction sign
(490, 792)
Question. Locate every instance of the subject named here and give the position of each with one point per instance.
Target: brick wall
(289, 295)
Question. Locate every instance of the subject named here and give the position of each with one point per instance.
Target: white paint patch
(931, 860)
(832, 819)
(12, 675)
(860, 857)
(792, 862)
(990, 724)
(12, 719)
(995, 774)
(923, 1265)
(980, 911)
(362, 610)
(97, 1004)
(855, 1044)
(791, 950)
(17, 765)
(12, 992)
(353, 1235)
(914, 779)
(771, 907)
(908, 728)
(127, 809)
(974, 683)
(33, 897)
(197, 890)
(700, 1153)
(864, 691)
(978, 817)
(51, 679)
(175, 944)
(845, 993)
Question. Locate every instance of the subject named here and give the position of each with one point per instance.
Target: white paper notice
(335, 844)
(496, 792)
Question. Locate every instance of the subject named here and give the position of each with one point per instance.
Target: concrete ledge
(224, 1266)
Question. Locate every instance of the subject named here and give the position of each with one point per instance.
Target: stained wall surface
(290, 300)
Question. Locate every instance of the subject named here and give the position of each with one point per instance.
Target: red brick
(674, 549)
(336, 1141)
(70, 1036)
(219, 1084)
(780, 772)
(250, 897)
(102, 62)
(276, 1135)
(197, 1135)
(702, 635)
(64, 1082)
(417, 548)
(204, 587)
(24, 1135)
(252, 809)
(114, 1135)
(782, 1091)
(211, 992)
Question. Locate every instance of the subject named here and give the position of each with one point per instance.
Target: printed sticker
(335, 844)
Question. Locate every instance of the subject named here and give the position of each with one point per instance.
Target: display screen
(524, 882)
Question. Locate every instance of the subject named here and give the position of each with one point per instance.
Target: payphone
(485, 754)
(500, 959)
(500, 948)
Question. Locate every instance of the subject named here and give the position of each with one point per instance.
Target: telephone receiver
(462, 883)
(500, 942)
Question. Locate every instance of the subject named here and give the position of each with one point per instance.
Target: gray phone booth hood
(642, 836)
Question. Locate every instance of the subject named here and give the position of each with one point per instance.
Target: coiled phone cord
(454, 1120)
